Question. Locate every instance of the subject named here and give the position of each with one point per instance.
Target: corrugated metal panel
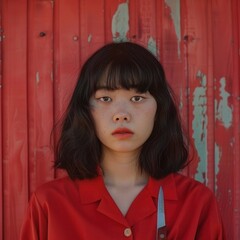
(44, 43)
(212, 108)
(40, 91)
(14, 116)
(236, 116)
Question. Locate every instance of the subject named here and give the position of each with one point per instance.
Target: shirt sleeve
(210, 222)
(35, 223)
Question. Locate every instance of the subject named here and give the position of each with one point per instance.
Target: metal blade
(161, 212)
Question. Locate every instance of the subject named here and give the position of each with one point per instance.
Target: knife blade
(161, 222)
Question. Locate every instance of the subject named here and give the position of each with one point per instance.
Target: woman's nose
(121, 117)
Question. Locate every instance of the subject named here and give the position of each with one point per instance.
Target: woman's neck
(122, 170)
(123, 178)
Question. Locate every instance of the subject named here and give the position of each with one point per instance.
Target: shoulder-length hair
(122, 65)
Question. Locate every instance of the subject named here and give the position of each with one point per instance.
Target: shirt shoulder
(68, 190)
(187, 187)
(57, 188)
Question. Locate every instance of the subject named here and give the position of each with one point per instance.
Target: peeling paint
(218, 155)
(199, 126)
(89, 38)
(224, 112)
(174, 5)
(120, 23)
(181, 100)
(52, 76)
(37, 78)
(152, 46)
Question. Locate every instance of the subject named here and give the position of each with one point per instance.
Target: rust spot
(188, 38)
(42, 34)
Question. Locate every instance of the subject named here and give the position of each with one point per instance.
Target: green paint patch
(174, 5)
(199, 125)
(152, 46)
(120, 23)
(223, 112)
(217, 157)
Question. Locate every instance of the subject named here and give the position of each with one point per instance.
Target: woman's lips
(122, 133)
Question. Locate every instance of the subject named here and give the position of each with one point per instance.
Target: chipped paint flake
(218, 154)
(199, 126)
(181, 100)
(174, 5)
(52, 76)
(120, 23)
(89, 38)
(37, 78)
(224, 112)
(152, 46)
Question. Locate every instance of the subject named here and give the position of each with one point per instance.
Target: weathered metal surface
(40, 91)
(44, 43)
(235, 8)
(14, 116)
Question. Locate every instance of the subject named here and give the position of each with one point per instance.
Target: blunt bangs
(125, 66)
(123, 74)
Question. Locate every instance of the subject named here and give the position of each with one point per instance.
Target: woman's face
(124, 119)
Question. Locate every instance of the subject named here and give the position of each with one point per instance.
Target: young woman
(122, 146)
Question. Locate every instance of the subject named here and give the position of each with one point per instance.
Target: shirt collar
(92, 190)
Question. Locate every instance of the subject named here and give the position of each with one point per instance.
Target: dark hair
(126, 65)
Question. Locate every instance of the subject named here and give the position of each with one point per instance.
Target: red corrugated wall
(42, 46)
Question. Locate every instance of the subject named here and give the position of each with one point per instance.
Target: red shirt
(84, 210)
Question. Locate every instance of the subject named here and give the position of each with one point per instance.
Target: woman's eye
(137, 99)
(105, 99)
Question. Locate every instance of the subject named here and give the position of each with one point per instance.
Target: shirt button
(162, 236)
(127, 232)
